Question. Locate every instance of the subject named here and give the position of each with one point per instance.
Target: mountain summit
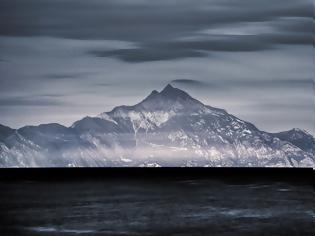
(169, 98)
(169, 92)
(167, 128)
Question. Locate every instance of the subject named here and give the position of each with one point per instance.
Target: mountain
(299, 138)
(167, 128)
(5, 132)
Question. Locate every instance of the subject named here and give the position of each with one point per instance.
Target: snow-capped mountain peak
(169, 99)
(158, 108)
(167, 128)
(171, 93)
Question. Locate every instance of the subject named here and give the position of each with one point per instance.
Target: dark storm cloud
(147, 54)
(197, 48)
(285, 32)
(157, 27)
(136, 20)
(296, 24)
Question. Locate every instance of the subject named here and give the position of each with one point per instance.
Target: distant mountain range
(168, 128)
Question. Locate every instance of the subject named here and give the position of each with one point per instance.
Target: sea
(156, 206)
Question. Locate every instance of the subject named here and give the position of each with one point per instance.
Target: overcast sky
(61, 60)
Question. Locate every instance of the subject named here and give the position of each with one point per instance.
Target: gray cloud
(299, 105)
(213, 85)
(188, 82)
(287, 31)
(270, 83)
(138, 21)
(223, 84)
(158, 27)
(147, 54)
(30, 101)
(102, 84)
(67, 75)
(181, 49)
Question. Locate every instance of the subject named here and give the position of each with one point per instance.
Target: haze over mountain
(167, 128)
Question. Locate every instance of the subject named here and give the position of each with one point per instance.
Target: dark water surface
(156, 207)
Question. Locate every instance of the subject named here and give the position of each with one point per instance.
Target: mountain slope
(299, 138)
(5, 132)
(167, 128)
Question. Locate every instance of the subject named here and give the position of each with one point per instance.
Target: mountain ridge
(167, 128)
